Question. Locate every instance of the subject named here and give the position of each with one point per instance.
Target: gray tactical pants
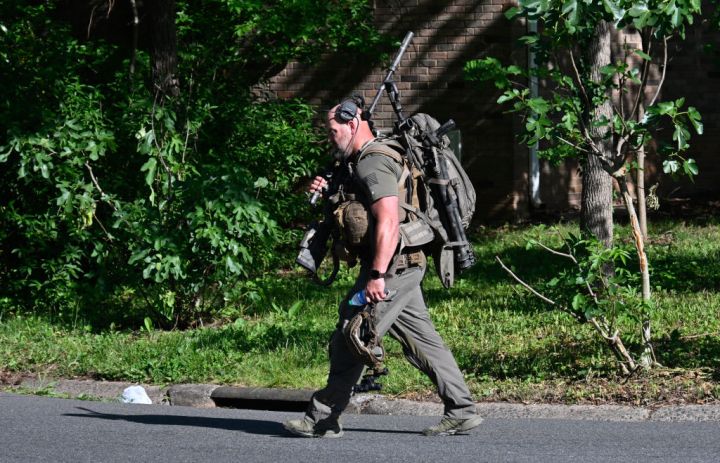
(406, 319)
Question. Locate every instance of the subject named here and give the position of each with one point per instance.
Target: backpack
(428, 226)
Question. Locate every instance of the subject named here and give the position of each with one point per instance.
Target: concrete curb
(213, 395)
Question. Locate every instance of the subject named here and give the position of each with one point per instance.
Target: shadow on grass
(572, 358)
(534, 266)
(686, 273)
(566, 358)
(703, 351)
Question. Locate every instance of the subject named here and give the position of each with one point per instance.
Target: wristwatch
(376, 275)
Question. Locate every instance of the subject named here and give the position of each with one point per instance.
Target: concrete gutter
(212, 395)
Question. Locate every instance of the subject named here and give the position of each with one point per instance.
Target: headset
(348, 108)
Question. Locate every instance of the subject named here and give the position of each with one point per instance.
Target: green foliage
(121, 206)
(560, 117)
(287, 30)
(592, 108)
(674, 162)
(587, 288)
(570, 18)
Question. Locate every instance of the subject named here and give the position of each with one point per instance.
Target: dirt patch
(9, 378)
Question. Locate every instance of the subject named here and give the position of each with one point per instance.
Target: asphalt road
(36, 429)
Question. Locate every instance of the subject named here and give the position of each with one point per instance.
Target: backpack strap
(414, 232)
(391, 149)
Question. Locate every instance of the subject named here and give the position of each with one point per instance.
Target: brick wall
(448, 34)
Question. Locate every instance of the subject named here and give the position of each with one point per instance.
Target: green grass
(510, 345)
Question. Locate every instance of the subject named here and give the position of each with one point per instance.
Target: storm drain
(291, 400)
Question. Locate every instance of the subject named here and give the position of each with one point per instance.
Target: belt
(410, 259)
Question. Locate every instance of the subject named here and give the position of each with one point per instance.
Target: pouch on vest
(353, 223)
(414, 234)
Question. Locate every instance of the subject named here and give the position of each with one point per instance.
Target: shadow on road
(270, 428)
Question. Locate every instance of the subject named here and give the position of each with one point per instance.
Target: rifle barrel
(393, 67)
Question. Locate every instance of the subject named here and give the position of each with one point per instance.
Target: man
(383, 271)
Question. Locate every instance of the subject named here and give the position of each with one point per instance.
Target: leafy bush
(122, 208)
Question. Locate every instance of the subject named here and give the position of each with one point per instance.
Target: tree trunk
(640, 180)
(647, 359)
(164, 46)
(596, 200)
(641, 198)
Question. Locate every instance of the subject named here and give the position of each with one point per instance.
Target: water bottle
(359, 299)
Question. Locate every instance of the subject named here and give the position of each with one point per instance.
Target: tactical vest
(355, 223)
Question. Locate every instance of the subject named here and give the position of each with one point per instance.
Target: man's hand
(375, 290)
(317, 184)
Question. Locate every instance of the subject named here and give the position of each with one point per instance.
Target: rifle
(464, 256)
(449, 214)
(314, 245)
(388, 82)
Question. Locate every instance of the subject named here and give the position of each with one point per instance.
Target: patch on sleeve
(371, 180)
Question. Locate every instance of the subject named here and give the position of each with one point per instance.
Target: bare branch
(590, 141)
(518, 84)
(619, 113)
(103, 196)
(577, 76)
(578, 317)
(577, 147)
(645, 74)
(529, 288)
(136, 23)
(621, 83)
(662, 79)
(90, 23)
(557, 253)
(97, 185)
(615, 343)
(102, 226)
(695, 336)
(587, 285)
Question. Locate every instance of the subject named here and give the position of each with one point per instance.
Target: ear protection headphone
(348, 108)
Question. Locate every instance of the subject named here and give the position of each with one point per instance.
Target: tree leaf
(579, 302)
(295, 308)
(670, 166)
(690, 167)
(150, 166)
(695, 120)
(512, 12)
(643, 55)
(608, 69)
(538, 105)
(681, 135)
(261, 182)
(232, 266)
(615, 9)
(507, 96)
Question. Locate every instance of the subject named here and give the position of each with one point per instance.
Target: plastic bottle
(358, 299)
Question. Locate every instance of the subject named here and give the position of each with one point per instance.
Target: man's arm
(387, 232)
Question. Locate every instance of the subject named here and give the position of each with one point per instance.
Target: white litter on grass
(135, 395)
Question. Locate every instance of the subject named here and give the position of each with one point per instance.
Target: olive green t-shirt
(378, 174)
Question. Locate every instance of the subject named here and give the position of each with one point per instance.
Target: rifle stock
(314, 248)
